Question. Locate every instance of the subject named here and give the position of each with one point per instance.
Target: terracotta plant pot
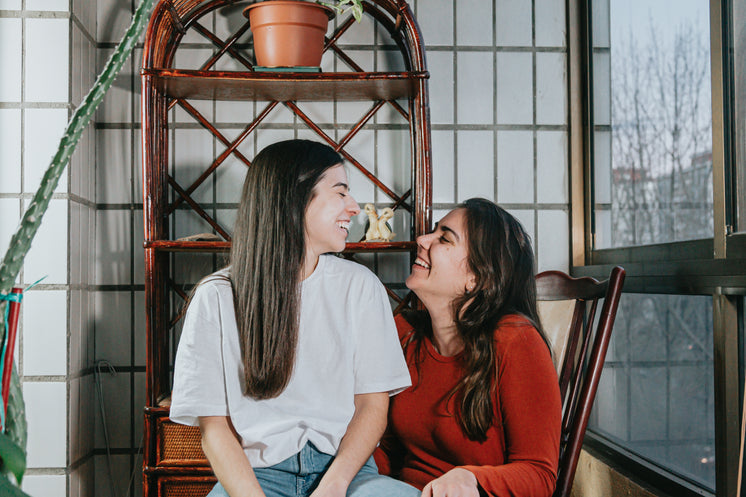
(288, 33)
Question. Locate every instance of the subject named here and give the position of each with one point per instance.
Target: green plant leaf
(13, 458)
(8, 489)
(15, 418)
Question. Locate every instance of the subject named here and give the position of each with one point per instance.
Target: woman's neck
(446, 337)
(309, 265)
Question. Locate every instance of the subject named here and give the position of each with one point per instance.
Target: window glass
(739, 71)
(655, 397)
(652, 121)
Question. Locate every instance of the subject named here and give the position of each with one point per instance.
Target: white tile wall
(476, 164)
(513, 23)
(44, 333)
(474, 23)
(11, 210)
(553, 241)
(81, 480)
(120, 468)
(113, 17)
(441, 87)
(46, 485)
(83, 10)
(139, 329)
(361, 33)
(319, 112)
(46, 414)
(47, 59)
(113, 335)
(230, 177)
(116, 396)
(10, 4)
(10, 148)
(550, 23)
(43, 129)
(362, 148)
(117, 106)
(193, 153)
(475, 83)
(515, 167)
(113, 246)
(435, 18)
(232, 112)
(443, 167)
(514, 88)
(114, 171)
(526, 218)
(393, 156)
(551, 97)
(138, 250)
(10, 57)
(193, 59)
(48, 254)
(59, 5)
(552, 173)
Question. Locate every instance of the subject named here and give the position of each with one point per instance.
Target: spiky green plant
(13, 441)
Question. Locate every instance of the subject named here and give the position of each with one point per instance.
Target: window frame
(714, 266)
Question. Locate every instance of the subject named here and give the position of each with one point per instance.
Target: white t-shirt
(347, 345)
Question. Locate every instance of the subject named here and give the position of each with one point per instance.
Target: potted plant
(290, 33)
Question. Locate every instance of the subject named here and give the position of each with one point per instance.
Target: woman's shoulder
(339, 266)
(516, 328)
(212, 289)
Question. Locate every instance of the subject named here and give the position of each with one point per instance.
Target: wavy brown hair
(267, 253)
(502, 260)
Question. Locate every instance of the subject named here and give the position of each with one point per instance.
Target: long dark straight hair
(502, 260)
(267, 254)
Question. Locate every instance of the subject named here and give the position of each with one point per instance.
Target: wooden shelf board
(283, 87)
(177, 246)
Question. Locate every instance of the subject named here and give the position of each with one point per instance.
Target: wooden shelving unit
(173, 462)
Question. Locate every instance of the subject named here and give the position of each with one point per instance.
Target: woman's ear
(471, 283)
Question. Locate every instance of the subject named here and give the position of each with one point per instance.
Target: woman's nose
(424, 241)
(352, 206)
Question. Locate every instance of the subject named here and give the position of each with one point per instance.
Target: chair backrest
(567, 309)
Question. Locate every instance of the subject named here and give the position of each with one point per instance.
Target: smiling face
(328, 214)
(441, 271)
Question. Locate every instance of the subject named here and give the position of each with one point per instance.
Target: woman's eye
(342, 194)
(443, 239)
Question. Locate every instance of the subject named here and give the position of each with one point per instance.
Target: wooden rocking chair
(567, 308)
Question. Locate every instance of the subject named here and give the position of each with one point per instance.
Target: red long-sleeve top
(520, 456)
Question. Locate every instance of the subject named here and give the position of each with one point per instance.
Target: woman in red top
(483, 414)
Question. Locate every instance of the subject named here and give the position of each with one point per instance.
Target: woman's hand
(328, 488)
(458, 482)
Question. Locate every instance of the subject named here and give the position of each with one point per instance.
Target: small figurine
(372, 233)
(378, 227)
(384, 232)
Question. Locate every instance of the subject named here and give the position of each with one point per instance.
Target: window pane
(655, 397)
(739, 70)
(651, 94)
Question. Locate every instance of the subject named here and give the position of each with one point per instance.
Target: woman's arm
(360, 439)
(528, 396)
(227, 458)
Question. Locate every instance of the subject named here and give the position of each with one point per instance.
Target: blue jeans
(298, 475)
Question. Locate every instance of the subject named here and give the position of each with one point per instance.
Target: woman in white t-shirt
(287, 357)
